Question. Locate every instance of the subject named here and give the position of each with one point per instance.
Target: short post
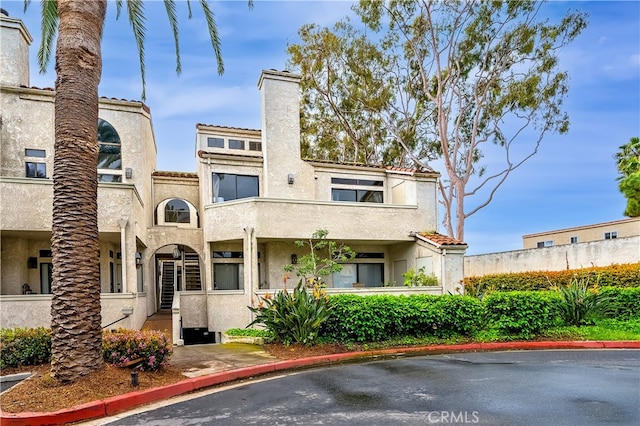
(134, 378)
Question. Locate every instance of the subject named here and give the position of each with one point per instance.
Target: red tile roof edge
(161, 173)
(439, 239)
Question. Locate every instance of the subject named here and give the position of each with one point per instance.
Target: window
(573, 240)
(359, 275)
(35, 170)
(236, 144)
(46, 271)
(106, 177)
(255, 146)
(610, 235)
(215, 142)
(109, 152)
(177, 211)
(228, 270)
(542, 244)
(41, 153)
(233, 187)
(356, 190)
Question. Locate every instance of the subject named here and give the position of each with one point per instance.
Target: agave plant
(581, 305)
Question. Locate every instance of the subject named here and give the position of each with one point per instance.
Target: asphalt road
(577, 387)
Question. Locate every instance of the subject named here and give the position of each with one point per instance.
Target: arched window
(109, 155)
(177, 211)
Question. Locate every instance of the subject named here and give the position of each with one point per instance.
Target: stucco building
(623, 228)
(202, 243)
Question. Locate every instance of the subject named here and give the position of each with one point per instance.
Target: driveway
(555, 387)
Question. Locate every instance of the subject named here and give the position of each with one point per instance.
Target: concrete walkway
(231, 362)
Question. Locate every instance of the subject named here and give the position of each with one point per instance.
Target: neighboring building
(601, 244)
(203, 244)
(583, 234)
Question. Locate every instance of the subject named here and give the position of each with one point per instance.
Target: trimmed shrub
(123, 346)
(522, 313)
(622, 303)
(249, 332)
(24, 346)
(381, 317)
(624, 275)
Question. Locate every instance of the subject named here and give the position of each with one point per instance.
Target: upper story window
(35, 170)
(232, 187)
(573, 240)
(40, 153)
(109, 154)
(356, 190)
(215, 142)
(610, 235)
(542, 244)
(177, 211)
(235, 144)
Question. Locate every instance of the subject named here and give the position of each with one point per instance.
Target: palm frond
(170, 5)
(49, 27)
(118, 8)
(213, 34)
(190, 15)
(137, 21)
(26, 5)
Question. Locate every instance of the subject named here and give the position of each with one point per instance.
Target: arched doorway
(177, 269)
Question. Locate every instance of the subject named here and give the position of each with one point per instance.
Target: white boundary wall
(556, 258)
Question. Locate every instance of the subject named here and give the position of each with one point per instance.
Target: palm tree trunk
(75, 305)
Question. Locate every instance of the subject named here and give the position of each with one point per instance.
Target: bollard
(134, 378)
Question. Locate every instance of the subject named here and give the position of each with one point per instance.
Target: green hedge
(522, 313)
(624, 303)
(24, 346)
(380, 317)
(624, 275)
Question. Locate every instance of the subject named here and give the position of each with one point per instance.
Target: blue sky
(570, 182)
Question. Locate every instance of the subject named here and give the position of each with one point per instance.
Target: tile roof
(439, 239)
(175, 174)
(228, 127)
(373, 166)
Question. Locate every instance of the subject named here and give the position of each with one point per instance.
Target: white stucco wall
(557, 258)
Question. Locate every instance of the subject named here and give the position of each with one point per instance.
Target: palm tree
(75, 304)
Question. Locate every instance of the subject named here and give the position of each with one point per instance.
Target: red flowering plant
(149, 349)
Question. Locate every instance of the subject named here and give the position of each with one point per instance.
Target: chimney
(286, 175)
(14, 51)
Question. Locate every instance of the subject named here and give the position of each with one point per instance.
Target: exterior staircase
(192, 272)
(168, 277)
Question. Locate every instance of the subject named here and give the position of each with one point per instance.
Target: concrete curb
(120, 403)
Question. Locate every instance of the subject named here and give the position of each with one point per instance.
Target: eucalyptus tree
(628, 162)
(75, 305)
(439, 83)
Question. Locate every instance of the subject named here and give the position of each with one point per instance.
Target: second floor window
(233, 187)
(109, 154)
(177, 211)
(35, 170)
(356, 190)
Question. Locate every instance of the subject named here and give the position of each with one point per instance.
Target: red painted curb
(131, 400)
(120, 403)
(90, 410)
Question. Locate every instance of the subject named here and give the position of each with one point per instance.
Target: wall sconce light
(128, 172)
(290, 177)
(294, 259)
(177, 254)
(138, 259)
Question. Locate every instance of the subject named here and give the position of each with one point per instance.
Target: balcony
(295, 219)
